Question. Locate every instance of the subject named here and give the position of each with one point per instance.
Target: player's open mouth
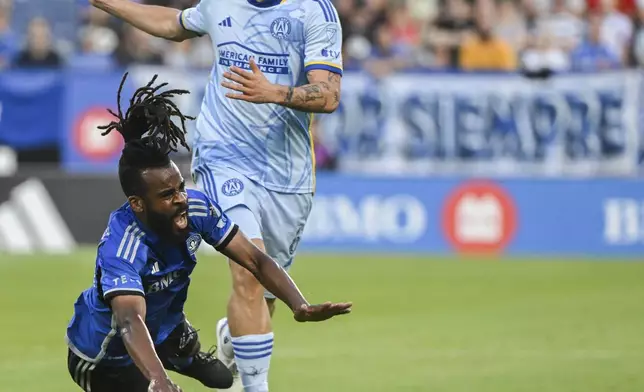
(181, 221)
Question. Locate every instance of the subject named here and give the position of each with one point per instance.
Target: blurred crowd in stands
(382, 36)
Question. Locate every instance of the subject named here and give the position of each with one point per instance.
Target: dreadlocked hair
(148, 131)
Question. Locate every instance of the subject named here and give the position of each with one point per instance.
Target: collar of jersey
(265, 3)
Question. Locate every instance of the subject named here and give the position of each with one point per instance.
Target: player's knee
(246, 286)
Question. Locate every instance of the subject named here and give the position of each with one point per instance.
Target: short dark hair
(148, 131)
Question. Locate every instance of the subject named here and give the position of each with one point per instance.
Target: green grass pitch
(419, 324)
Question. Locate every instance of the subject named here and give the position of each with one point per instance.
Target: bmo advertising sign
(399, 219)
(479, 217)
(525, 217)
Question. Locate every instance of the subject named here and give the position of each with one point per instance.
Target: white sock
(253, 358)
(226, 343)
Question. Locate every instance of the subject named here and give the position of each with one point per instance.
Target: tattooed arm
(321, 95)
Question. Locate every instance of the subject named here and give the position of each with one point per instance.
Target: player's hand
(250, 86)
(325, 311)
(163, 385)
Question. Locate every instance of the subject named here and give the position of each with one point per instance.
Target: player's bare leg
(247, 310)
(249, 326)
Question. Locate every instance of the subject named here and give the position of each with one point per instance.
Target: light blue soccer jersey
(269, 144)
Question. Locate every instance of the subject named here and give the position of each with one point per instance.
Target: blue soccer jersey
(270, 144)
(131, 260)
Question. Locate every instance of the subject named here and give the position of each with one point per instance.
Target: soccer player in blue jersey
(130, 326)
(277, 63)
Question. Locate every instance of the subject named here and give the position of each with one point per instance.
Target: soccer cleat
(226, 354)
(208, 370)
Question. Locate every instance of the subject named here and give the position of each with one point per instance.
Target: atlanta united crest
(232, 187)
(281, 28)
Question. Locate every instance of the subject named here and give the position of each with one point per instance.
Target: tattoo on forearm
(289, 95)
(315, 96)
(312, 93)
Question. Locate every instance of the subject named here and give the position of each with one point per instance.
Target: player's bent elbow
(335, 101)
(331, 108)
(176, 35)
(176, 38)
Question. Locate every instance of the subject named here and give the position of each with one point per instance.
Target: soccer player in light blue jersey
(277, 63)
(130, 325)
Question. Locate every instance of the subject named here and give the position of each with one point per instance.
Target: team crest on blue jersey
(232, 187)
(193, 243)
(281, 28)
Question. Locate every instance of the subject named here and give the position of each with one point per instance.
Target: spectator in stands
(96, 48)
(530, 12)
(195, 53)
(563, 27)
(637, 47)
(8, 39)
(616, 29)
(39, 52)
(136, 48)
(544, 56)
(450, 29)
(98, 41)
(627, 7)
(431, 33)
(361, 20)
(484, 50)
(403, 27)
(511, 25)
(346, 9)
(592, 54)
(388, 56)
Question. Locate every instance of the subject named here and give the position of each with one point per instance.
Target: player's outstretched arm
(242, 251)
(129, 311)
(155, 20)
(321, 95)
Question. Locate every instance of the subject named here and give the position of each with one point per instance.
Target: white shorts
(276, 218)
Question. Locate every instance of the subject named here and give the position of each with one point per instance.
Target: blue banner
(573, 125)
(486, 124)
(523, 217)
(493, 125)
(88, 96)
(30, 109)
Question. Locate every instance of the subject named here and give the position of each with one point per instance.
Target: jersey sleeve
(193, 19)
(215, 227)
(119, 277)
(121, 254)
(323, 38)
